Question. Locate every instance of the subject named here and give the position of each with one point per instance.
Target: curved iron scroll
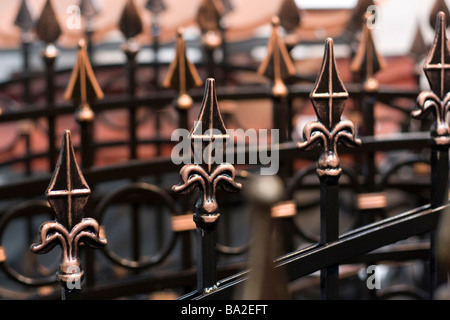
(142, 193)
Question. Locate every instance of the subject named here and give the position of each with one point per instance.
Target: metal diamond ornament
(437, 64)
(68, 191)
(329, 94)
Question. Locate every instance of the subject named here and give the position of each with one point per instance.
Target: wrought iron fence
(225, 231)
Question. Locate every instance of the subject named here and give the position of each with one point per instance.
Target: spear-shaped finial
(182, 75)
(83, 88)
(68, 194)
(130, 23)
(277, 65)
(23, 18)
(368, 61)
(328, 98)
(68, 191)
(48, 28)
(437, 71)
(209, 15)
(419, 48)
(439, 6)
(289, 15)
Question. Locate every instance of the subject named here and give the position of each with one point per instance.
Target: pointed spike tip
(329, 41)
(440, 19)
(275, 21)
(180, 32)
(82, 44)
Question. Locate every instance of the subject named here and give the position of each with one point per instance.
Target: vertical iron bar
(329, 232)
(26, 69)
(156, 33)
(439, 195)
(131, 50)
(49, 57)
(206, 259)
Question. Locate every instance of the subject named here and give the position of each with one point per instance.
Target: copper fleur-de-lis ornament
(328, 97)
(68, 194)
(208, 134)
(437, 71)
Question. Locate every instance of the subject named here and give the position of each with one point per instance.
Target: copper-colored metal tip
(82, 44)
(275, 21)
(130, 23)
(289, 15)
(48, 28)
(438, 7)
(23, 18)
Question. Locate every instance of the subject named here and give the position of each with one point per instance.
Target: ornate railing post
(182, 76)
(84, 90)
(437, 102)
(208, 173)
(48, 30)
(67, 194)
(328, 98)
(130, 25)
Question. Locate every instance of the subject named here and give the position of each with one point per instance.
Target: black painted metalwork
(26, 23)
(131, 25)
(325, 253)
(48, 30)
